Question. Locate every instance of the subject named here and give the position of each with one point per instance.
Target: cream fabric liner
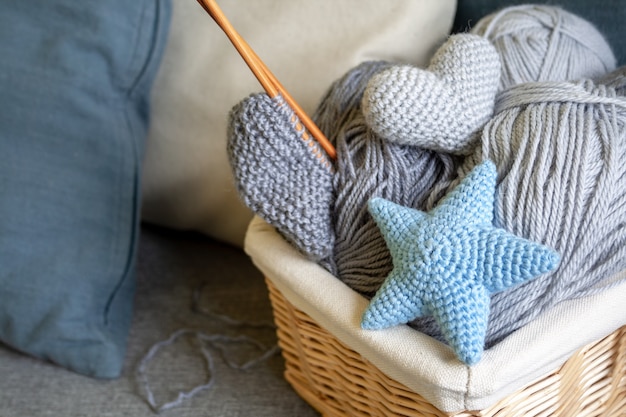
(307, 44)
(423, 364)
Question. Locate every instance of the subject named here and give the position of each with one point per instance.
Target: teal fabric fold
(75, 79)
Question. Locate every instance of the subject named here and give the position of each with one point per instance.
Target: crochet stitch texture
(440, 107)
(448, 262)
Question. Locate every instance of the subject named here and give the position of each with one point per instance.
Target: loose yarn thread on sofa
(205, 344)
(205, 341)
(545, 43)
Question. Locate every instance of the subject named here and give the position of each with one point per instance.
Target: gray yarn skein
(560, 150)
(616, 80)
(545, 43)
(582, 174)
(368, 166)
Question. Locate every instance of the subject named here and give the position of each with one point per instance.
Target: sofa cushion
(307, 44)
(75, 78)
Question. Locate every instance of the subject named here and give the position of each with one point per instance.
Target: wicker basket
(337, 381)
(571, 361)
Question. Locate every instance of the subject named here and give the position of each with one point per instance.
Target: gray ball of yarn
(559, 149)
(368, 166)
(545, 43)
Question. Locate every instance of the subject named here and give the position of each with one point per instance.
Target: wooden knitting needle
(268, 81)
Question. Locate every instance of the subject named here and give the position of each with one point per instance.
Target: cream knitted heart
(437, 108)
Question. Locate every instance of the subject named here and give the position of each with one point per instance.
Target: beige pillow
(187, 181)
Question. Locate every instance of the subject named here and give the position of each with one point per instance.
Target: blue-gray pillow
(75, 78)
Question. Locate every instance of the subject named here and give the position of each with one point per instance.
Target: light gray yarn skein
(560, 150)
(545, 43)
(368, 166)
(572, 184)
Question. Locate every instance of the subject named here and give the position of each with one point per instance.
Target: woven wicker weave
(337, 381)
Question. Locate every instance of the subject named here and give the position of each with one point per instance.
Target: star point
(449, 261)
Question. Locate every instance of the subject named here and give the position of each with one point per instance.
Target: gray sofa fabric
(172, 267)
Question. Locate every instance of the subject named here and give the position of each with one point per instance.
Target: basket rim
(337, 381)
(423, 364)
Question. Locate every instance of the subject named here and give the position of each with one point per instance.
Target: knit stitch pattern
(440, 107)
(281, 173)
(448, 262)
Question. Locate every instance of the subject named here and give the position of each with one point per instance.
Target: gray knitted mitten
(440, 107)
(282, 174)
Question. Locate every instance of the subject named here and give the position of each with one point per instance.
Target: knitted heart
(437, 108)
(281, 173)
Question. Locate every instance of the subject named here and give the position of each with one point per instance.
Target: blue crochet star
(449, 261)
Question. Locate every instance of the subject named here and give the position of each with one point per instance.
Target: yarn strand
(205, 341)
(561, 183)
